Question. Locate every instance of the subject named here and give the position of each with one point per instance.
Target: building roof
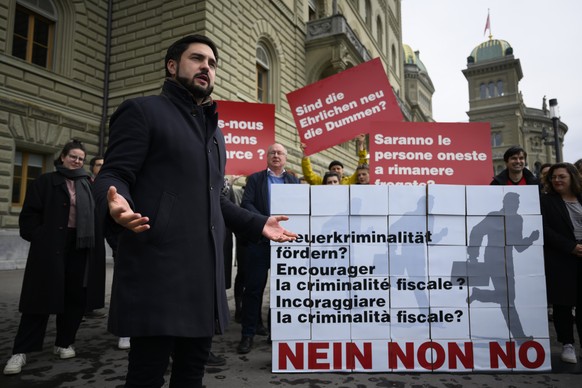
(491, 50)
(413, 57)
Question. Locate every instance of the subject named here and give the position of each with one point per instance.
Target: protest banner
(248, 129)
(419, 153)
(409, 278)
(338, 108)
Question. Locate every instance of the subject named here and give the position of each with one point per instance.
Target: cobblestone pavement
(100, 364)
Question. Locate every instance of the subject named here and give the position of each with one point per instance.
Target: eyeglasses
(76, 158)
(560, 177)
(277, 153)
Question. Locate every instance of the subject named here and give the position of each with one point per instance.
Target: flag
(487, 25)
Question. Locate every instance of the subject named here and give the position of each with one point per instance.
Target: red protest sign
(249, 129)
(338, 108)
(425, 153)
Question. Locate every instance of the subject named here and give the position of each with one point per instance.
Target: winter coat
(559, 241)
(43, 222)
(166, 156)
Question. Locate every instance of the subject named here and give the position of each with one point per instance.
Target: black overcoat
(166, 156)
(559, 241)
(43, 222)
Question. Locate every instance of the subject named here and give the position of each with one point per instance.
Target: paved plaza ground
(100, 364)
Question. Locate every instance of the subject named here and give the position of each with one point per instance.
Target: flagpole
(488, 25)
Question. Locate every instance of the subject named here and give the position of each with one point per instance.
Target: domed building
(493, 73)
(418, 85)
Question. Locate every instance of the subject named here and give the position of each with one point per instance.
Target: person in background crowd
(363, 174)
(65, 269)
(256, 198)
(578, 165)
(331, 178)
(241, 266)
(515, 172)
(160, 190)
(542, 177)
(562, 216)
(335, 166)
(94, 166)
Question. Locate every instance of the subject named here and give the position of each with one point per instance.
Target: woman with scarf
(65, 269)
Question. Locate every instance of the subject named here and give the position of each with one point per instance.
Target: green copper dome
(491, 49)
(413, 57)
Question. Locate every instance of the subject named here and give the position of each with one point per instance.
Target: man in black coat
(161, 189)
(256, 198)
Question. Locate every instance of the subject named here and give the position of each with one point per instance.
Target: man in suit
(161, 190)
(256, 198)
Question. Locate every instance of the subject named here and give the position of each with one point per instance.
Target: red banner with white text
(425, 153)
(338, 108)
(248, 129)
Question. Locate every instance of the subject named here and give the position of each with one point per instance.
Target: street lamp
(555, 116)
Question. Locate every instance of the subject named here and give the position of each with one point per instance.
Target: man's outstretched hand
(121, 212)
(275, 232)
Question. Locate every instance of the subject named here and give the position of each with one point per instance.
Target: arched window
(491, 89)
(263, 74)
(34, 29)
(368, 14)
(380, 33)
(500, 88)
(483, 91)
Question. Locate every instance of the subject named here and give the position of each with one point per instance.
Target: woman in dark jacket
(562, 214)
(65, 269)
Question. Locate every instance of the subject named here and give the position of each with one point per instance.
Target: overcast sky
(545, 36)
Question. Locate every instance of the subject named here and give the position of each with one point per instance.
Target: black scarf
(85, 206)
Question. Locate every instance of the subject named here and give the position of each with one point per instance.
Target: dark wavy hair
(513, 150)
(177, 48)
(73, 144)
(575, 180)
(330, 174)
(94, 160)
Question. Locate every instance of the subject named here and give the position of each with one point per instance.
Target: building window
(491, 90)
(496, 139)
(380, 33)
(263, 75)
(27, 167)
(500, 88)
(483, 91)
(34, 28)
(369, 14)
(312, 9)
